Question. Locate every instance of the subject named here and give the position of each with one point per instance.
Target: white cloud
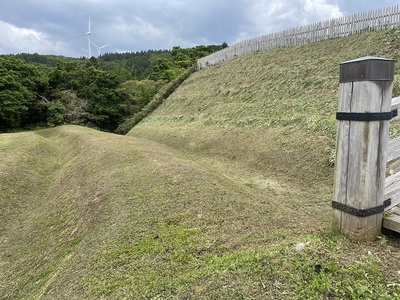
(319, 10)
(276, 15)
(26, 40)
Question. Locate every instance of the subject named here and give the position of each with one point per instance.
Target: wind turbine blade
(89, 23)
(101, 47)
(94, 44)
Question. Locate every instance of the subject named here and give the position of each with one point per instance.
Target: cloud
(27, 40)
(161, 25)
(320, 10)
(276, 15)
(134, 25)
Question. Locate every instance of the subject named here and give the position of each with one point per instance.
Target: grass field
(223, 192)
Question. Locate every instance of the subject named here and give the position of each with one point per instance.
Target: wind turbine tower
(99, 47)
(89, 34)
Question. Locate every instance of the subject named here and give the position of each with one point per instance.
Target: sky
(53, 27)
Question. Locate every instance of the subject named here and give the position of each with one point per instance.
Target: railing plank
(396, 105)
(393, 151)
(392, 190)
(392, 183)
(392, 221)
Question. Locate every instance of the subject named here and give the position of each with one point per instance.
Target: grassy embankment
(230, 200)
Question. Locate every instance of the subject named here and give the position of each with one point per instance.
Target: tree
(18, 90)
(137, 93)
(56, 113)
(75, 108)
(94, 90)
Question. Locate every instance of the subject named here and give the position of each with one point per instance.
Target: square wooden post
(365, 93)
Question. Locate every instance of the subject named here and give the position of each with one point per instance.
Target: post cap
(367, 68)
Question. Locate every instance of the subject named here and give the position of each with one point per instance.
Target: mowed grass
(223, 192)
(91, 215)
(269, 118)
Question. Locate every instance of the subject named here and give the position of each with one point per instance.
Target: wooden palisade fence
(361, 191)
(349, 25)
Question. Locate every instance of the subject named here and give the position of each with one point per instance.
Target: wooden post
(365, 93)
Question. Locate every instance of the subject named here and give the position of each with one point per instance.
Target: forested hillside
(45, 90)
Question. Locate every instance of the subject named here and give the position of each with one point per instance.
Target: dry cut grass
(93, 215)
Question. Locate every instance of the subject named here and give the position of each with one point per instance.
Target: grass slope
(87, 214)
(90, 215)
(273, 111)
(231, 199)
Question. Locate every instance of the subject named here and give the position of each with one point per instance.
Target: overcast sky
(52, 27)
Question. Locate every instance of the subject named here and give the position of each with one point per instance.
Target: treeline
(158, 64)
(45, 90)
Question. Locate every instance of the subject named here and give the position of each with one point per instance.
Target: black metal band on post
(366, 117)
(362, 212)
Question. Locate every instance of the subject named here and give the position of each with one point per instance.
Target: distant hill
(138, 64)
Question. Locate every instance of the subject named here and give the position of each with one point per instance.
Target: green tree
(65, 76)
(76, 109)
(137, 93)
(162, 70)
(18, 90)
(56, 112)
(96, 89)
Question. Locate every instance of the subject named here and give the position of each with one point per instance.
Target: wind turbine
(99, 48)
(89, 34)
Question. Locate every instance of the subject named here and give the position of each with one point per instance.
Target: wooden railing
(392, 182)
(348, 25)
